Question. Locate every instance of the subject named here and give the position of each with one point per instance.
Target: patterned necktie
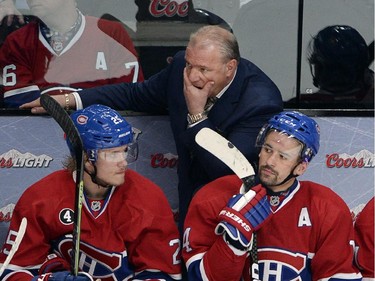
(210, 102)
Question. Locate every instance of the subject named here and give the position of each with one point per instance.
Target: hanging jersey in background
(100, 53)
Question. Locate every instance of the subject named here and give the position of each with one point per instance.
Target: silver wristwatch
(194, 118)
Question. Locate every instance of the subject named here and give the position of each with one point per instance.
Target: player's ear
(89, 166)
(301, 168)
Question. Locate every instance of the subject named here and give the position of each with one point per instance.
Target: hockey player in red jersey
(364, 240)
(303, 230)
(64, 47)
(127, 232)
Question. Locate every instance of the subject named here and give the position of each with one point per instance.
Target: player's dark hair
(338, 57)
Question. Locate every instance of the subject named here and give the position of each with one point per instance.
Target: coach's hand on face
(195, 95)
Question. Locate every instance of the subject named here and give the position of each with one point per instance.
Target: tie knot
(210, 103)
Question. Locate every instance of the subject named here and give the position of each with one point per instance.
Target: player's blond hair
(70, 164)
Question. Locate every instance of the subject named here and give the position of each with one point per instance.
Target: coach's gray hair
(215, 35)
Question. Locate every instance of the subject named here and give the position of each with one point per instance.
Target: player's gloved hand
(244, 214)
(53, 263)
(63, 276)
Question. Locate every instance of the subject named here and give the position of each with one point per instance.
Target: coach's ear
(231, 67)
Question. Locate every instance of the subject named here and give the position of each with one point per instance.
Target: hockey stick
(228, 154)
(58, 113)
(224, 150)
(16, 244)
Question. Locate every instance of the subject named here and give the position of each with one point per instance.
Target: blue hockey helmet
(101, 127)
(338, 56)
(298, 126)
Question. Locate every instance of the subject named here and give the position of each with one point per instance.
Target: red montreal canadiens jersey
(101, 52)
(133, 231)
(364, 239)
(307, 238)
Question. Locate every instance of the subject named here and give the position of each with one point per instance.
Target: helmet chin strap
(97, 180)
(290, 176)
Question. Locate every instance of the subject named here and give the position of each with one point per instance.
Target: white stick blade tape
(225, 151)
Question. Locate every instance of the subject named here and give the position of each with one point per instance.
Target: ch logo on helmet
(82, 119)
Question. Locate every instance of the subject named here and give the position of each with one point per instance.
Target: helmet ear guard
(298, 126)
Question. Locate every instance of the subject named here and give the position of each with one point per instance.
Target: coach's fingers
(34, 105)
